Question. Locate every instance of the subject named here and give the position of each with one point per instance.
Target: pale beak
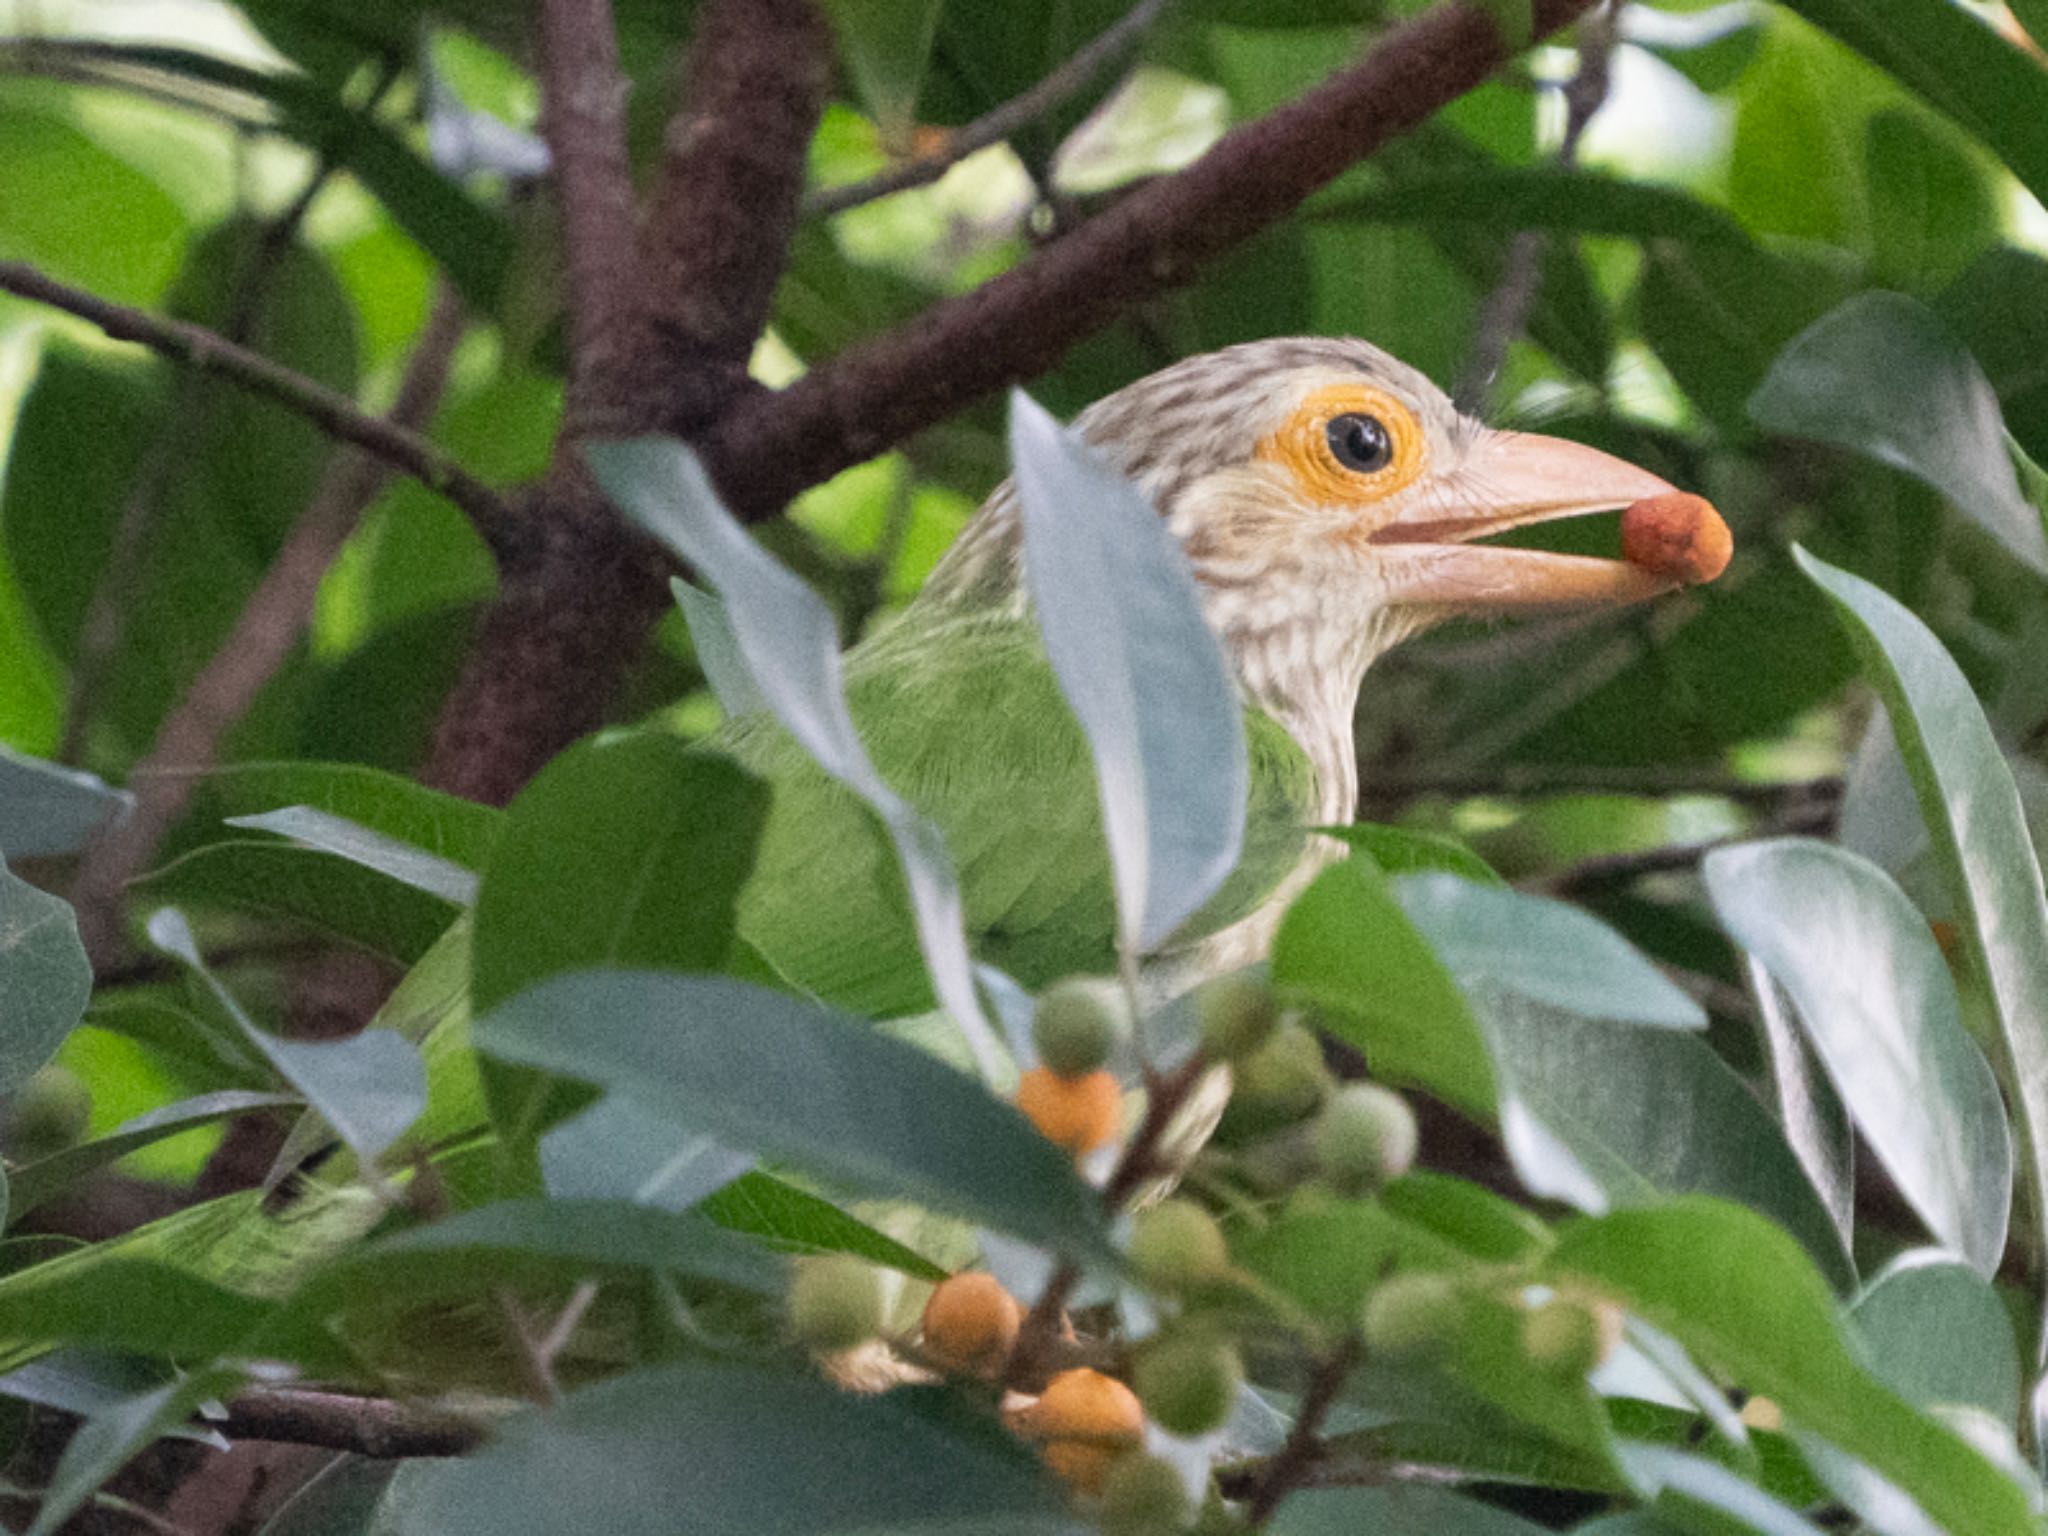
(1509, 480)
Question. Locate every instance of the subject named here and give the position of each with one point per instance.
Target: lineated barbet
(1325, 495)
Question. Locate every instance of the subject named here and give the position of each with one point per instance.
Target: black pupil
(1361, 443)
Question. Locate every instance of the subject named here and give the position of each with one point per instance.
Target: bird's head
(1327, 496)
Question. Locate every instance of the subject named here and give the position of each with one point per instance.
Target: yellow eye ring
(1303, 445)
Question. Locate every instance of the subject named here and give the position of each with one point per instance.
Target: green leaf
(1474, 1218)
(1347, 945)
(797, 1221)
(1602, 1114)
(1958, 65)
(1978, 828)
(1139, 665)
(886, 45)
(146, 1307)
(447, 826)
(1875, 998)
(1355, 1511)
(741, 1448)
(107, 1439)
(1816, 1125)
(625, 850)
(1932, 209)
(324, 832)
(1542, 950)
(1881, 376)
(1406, 851)
(619, 1150)
(1737, 1292)
(45, 979)
(369, 1087)
(766, 1073)
(518, 1242)
(46, 808)
(82, 214)
(39, 1181)
(1691, 1480)
(1938, 1333)
(790, 644)
(321, 891)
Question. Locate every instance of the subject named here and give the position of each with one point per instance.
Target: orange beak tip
(1677, 537)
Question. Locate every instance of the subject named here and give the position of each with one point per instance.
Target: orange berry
(970, 1324)
(1083, 1405)
(1078, 1113)
(1081, 1466)
(1678, 536)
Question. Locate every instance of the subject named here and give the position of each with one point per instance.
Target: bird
(1327, 498)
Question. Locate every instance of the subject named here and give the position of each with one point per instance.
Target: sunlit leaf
(791, 647)
(1142, 670)
(1875, 998)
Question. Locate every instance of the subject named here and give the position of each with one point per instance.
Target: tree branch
(1084, 68)
(376, 1427)
(264, 634)
(769, 448)
(584, 121)
(334, 413)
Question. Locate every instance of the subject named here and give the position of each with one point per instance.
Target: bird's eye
(1361, 443)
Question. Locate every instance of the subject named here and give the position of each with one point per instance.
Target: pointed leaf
(1876, 1000)
(1736, 1291)
(718, 649)
(797, 1221)
(39, 1181)
(1978, 827)
(1542, 950)
(790, 644)
(46, 808)
(767, 1073)
(1142, 671)
(741, 1448)
(1816, 1126)
(107, 1439)
(1880, 375)
(369, 1088)
(45, 979)
(1939, 1333)
(620, 1150)
(325, 832)
(1660, 1469)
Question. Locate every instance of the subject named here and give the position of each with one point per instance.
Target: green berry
(1143, 1496)
(1411, 1316)
(1278, 1164)
(1365, 1137)
(835, 1302)
(1570, 1337)
(1280, 1083)
(1188, 1385)
(1077, 1024)
(1176, 1246)
(49, 1113)
(1237, 1014)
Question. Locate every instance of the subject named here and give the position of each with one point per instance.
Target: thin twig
(377, 1427)
(263, 637)
(1519, 780)
(1087, 64)
(334, 413)
(1303, 1443)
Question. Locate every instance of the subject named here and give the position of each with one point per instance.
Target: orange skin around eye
(1302, 446)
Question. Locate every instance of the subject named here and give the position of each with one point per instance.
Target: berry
(1078, 1113)
(1188, 1385)
(970, 1324)
(1143, 1496)
(1082, 1423)
(1677, 536)
(1571, 1337)
(1410, 1316)
(1236, 1015)
(1176, 1246)
(1280, 1083)
(1077, 1024)
(1365, 1137)
(835, 1302)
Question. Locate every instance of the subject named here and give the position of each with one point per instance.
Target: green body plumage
(961, 714)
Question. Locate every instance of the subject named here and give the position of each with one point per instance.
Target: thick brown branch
(725, 203)
(369, 1426)
(1083, 69)
(769, 448)
(263, 637)
(334, 413)
(584, 122)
